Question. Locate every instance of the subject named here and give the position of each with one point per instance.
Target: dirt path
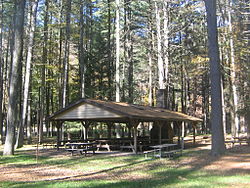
(237, 161)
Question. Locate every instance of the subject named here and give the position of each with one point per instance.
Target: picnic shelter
(91, 110)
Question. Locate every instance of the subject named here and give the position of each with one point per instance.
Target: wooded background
(53, 52)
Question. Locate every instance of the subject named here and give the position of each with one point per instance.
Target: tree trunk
(130, 53)
(60, 51)
(14, 80)
(150, 59)
(247, 92)
(247, 103)
(1, 72)
(66, 54)
(29, 128)
(235, 119)
(88, 46)
(6, 80)
(32, 22)
(218, 142)
(81, 53)
(161, 71)
(166, 38)
(110, 64)
(117, 62)
(66, 60)
(43, 71)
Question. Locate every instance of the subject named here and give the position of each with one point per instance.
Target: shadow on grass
(143, 183)
(170, 178)
(20, 158)
(159, 176)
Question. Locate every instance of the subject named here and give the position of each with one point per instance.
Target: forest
(54, 52)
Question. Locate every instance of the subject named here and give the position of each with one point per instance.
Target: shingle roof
(98, 110)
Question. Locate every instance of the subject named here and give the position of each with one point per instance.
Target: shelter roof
(98, 110)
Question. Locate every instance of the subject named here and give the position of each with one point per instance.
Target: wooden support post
(182, 143)
(134, 124)
(86, 132)
(160, 126)
(143, 129)
(129, 130)
(85, 125)
(179, 132)
(183, 129)
(194, 135)
(109, 130)
(194, 131)
(135, 139)
(118, 130)
(58, 134)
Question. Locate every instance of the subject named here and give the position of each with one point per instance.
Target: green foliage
(73, 127)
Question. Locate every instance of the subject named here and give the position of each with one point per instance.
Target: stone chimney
(161, 98)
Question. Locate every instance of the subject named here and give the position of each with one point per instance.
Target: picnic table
(81, 147)
(121, 144)
(127, 144)
(104, 144)
(239, 140)
(163, 149)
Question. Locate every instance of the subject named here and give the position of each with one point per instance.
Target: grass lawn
(194, 169)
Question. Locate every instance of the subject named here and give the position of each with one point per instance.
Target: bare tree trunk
(66, 54)
(60, 53)
(130, 53)
(165, 39)
(117, 62)
(49, 85)
(218, 141)
(6, 70)
(223, 108)
(14, 80)
(88, 44)
(43, 71)
(32, 22)
(161, 71)
(110, 64)
(29, 129)
(66, 59)
(125, 51)
(1, 72)
(150, 59)
(235, 120)
(247, 84)
(81, 53)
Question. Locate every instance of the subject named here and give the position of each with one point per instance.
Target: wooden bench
(85, 150)
(155, 153)
(237, 140)
(243, 140)
(127, 147)
(105, 146)
(172, 153)
(108, 144)
(166, 150)
(77, 150)
(158, 153)
(81, 147)
(46, 145)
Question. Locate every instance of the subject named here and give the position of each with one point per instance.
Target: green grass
(173, 180)
(142, 173)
